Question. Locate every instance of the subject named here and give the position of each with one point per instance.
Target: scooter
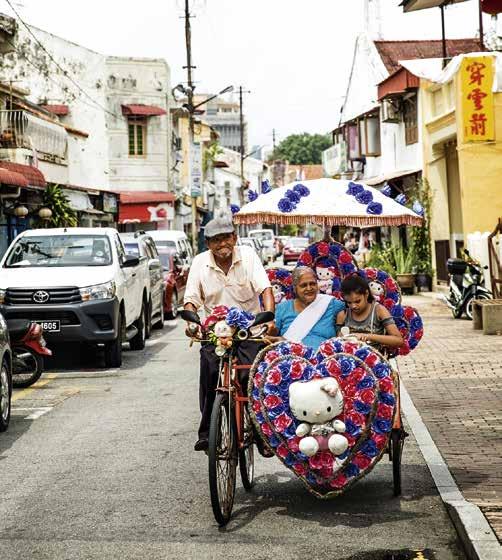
(466, 285)
(28, 349)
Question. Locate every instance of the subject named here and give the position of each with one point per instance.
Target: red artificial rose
(367, 396)
(371, 360)
(297, 370)
(315, 461)
(288, 281)
(351, 440)
(326, 472)
(306, 258)
(356, 418)
(357, 374)
(220, 311)
(282, 451)
(371, 273)
(272, 401)
(386, 385)
(380, 440)
(257, 380)
(345, 258)
(333, 368)
(350, 347)
(349, 391)
(271, 356)
(300, 469)
(385, 411)
(327, 349)
(362, 461)
(390, 285)
(339, 481)
(282, 422)
(323, 249)
(327, 459)
(294, 444)
(419, 334)
(409, 313)
(267, 430)
(388, 303)
(297, 349)
(256, 407)
(404, 332)
(405, 349)
(274, 377)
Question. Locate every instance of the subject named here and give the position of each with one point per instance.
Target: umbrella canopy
(327, 202)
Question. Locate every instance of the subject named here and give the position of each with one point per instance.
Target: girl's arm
(392, 338)
(340, 321)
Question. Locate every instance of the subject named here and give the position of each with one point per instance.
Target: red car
(293, 248)
(175, 281)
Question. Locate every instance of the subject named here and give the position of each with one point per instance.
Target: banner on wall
(476, 74)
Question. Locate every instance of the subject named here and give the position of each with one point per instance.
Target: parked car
(267, 237)
(5, 376)
(169, 238)
(80, 285)
(257, 245)
(175, 281)
(141, 244)
(281, 241)
(294, 248)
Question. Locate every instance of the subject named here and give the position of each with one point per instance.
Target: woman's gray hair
(299, 271)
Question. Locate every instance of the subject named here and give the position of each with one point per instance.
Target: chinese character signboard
(476, 75)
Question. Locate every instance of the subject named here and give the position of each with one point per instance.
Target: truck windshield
(60, 250)
(263, 235)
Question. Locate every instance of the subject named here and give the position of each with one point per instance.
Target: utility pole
(241, 126)
(273, 139)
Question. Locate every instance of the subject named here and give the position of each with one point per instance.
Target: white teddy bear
(317, 403)
(377, 290)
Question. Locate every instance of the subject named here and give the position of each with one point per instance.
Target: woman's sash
(306, 320)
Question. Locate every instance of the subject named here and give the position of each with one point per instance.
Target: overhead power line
(64, 71)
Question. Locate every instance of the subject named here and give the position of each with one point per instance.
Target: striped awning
(32, 175)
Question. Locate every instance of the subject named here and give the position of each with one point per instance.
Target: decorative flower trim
(401, 199)
(282, 284)
(374, 208)
(302, 190)
(354, 189)
(410, 325)
(265, 187)
(369, 387)
(252, 195)
(364, 197)
(387, 190)
(383, 287)
(233, 317)
(234, 208)
(292, 198)
(418, 208)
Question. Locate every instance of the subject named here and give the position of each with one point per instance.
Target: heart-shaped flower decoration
(330, 457)
(383, 287)
(411, 326)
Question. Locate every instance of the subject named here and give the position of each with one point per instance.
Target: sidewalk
(454, 378)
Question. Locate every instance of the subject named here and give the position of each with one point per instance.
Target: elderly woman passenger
(310, 317)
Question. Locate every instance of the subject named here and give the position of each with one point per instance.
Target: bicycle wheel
(396, 452)
(246, 454)
(222, 453)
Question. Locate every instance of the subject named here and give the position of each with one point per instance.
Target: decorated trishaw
(328, 415)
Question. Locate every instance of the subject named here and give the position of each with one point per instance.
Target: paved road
(99, 465)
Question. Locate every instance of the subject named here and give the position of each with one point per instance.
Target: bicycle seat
(18, 328)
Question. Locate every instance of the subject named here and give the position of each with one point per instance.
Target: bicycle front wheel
(246, 454)
(222, 453)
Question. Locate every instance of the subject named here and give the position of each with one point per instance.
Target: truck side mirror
(130, 261)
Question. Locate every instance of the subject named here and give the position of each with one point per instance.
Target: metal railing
(20, 129)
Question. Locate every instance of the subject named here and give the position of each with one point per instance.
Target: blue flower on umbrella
(234, 208)
(252, 195)
(387, 190)
(285, 205)
(292, 196)
(302, 190)
(364, 197)
(374, 208)
(401, 198)
(418, 208)
(354, 189)
(265, 187)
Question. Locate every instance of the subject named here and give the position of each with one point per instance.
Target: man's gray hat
(220, 225)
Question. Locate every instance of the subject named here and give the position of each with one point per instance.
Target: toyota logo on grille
(40, 297)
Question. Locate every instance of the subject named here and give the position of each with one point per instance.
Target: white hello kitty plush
(317, 403)
(377, 290)
(278, 293)
(325, 276)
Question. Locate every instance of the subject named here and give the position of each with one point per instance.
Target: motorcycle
(28, 349)
(466, 284)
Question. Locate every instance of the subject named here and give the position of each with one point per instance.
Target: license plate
(50, 326)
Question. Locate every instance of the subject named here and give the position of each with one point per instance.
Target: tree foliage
(63, 215)
(302, 149)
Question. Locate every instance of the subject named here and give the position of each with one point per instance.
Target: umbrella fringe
(349, 221)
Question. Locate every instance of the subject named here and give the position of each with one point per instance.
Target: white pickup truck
(80, 285)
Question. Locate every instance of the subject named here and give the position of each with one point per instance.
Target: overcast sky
(293, 55)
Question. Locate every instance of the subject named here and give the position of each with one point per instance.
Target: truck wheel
(138, 342)
(5, 396)
(148, 324)
(113, 350)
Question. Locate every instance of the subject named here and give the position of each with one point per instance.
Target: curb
(478, 538)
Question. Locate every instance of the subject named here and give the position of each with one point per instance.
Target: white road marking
(36, 412)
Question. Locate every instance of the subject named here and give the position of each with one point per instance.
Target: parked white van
(267, 237)
(166, 239)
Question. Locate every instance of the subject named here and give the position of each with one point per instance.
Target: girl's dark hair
(355, 284)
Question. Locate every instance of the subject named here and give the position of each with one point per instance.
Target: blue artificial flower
(362, 274)
(252, 195)
(366, 383)
(418, 208)
(374, 208)
(413, 342)
(260, 418)
(387, 190)
(262, 366)
(347, 365)
(308, 372)
(397, 311)
(311, 478)
(234, 208)
(239, 318)
(381, 426)
(347, 269)
(382, 276)
(289, 460)
(283, 349)
(265, 187)
(285, 369)
(274, 441)
(302, 190)
(335, 249)
(351, 470)
(370, 449)
(269, 389)
(337, 285)
(354, 189)
(292, 196)
(400, 323)
(285, 205)
(394, 296)
(277, 411)
(381, 370)
(290, 431)
(309, 354)
(281, 274)
(362, 353)
(337, 346)
(256, 393)
(364, 197)
(387, 398)
(361, 407)
(401, 198)
(416, 323)
(351, 428)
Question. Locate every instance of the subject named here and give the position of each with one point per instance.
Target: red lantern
(162, 213)
(492, 7)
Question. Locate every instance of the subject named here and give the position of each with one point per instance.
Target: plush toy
(377, 290)
(224, 333)
(317, 403)
(325, 276)
(278, 292)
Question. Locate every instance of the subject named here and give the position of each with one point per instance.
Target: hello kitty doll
(377, 291)
(325, 276)
(278, 293)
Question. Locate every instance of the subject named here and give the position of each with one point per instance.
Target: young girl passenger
(367, 320)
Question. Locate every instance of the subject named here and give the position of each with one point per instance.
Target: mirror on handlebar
(190, 316)
(263, 317)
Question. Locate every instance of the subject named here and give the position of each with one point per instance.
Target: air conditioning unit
(391, 111)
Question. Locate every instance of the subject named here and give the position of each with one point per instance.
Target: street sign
(196, 170)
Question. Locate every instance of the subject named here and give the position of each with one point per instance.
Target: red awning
(146, 206)
(12, 179)
(59, 110)
(32, 175)
(398, 83)
(140, 110)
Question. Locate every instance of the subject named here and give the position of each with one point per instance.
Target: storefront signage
(196, 171)
(476, 74)
(334, 160)
(110, 203)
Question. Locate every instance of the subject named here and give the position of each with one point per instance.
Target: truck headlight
(2, 296)
(99, 291)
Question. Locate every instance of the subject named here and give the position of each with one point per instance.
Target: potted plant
(421, 239)
(404, 262)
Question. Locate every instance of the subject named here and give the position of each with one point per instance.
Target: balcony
(20, 129)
